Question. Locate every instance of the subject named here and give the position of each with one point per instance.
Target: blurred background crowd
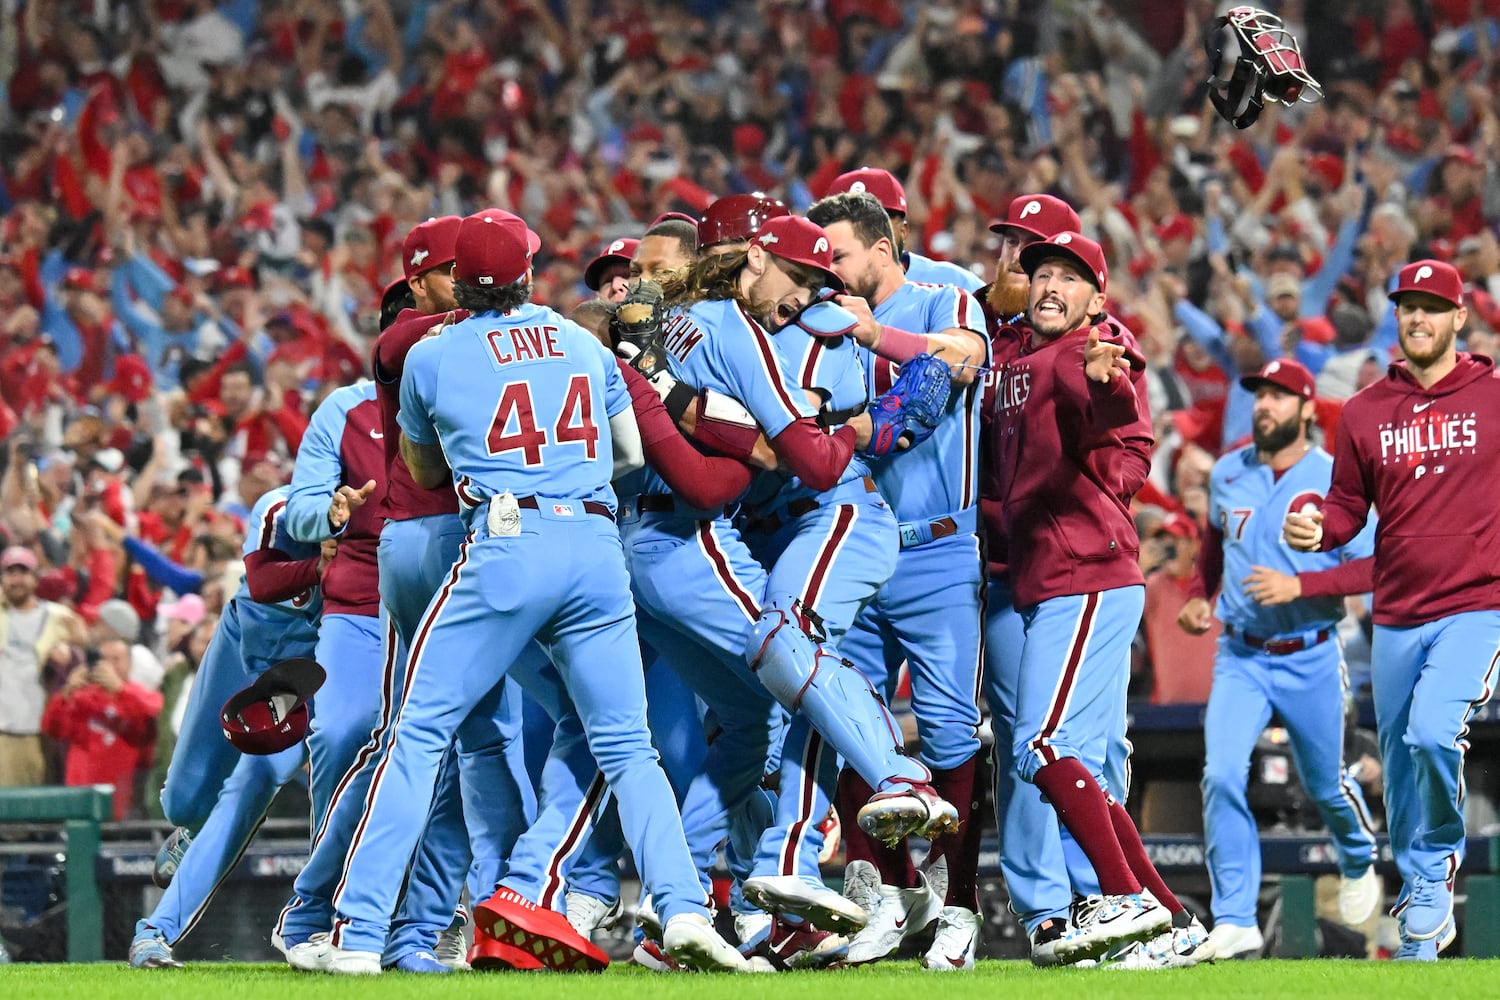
(201, 203)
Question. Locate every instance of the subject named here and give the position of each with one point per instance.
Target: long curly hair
(717, 276)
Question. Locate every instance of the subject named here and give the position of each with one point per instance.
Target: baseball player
(224, 795)
(542, 560)
(608, 274)
(669, 245)
(340, 464)
(714, 342)
(1279, 652)
(887, 190)
(1418, 445)
(1073, 444)
(928, 612)
(729, 223)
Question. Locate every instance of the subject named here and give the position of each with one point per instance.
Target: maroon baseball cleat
(512, 919)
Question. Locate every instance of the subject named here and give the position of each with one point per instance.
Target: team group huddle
(777, 460)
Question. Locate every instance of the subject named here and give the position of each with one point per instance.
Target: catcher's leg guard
(836, 698)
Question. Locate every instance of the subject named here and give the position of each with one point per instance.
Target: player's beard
(1275, 437)
(1425, 352)
(1008, 294)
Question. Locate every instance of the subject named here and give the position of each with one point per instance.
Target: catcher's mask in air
(1252, 58)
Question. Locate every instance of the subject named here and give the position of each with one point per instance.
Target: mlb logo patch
(562, 509)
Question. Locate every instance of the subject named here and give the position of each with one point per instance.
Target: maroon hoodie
(402, 499)
(1428, 460)
(1070, 453)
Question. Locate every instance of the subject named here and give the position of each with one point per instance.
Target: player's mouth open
(1050, 306)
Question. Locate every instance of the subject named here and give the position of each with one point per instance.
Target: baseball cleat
(451, 948)
(1429, 908)
(1359, 896)
(1426, 951)
(862, 885)
(799, 946)
(489, 955)
(1102, 922)
(170, 855)
(1178, 948)
(311, 955)
(588, 913)
(691, 941)
(1044, 941)
(906, 809)
(806, 898)
(342, 962)
(648, 955)
(752, 929)
(546, 934)
(899, 913)
(150, 950)
(648, 921)
(1229, 941)
(424, 962)
(956, 941)
(833, 835)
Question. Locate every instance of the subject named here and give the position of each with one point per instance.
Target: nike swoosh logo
(900, 923)
(1117, 916)
(1231, 479)
(957, 963)
(377, 435)
(1419, 407)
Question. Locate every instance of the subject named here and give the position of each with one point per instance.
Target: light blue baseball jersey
(940, 272)
(831, 368)
(1249, 504)
(515, 366)
(715, 345)
(940, 475)
(295, 620)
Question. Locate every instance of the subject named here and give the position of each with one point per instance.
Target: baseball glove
(637, 319)
(913, 407)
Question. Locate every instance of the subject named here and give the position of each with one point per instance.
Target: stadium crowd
(202, 205)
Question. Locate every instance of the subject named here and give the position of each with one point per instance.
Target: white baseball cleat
(1178, 948)
(1045, 939)
(862, 885)
(806, 898)
(588, 913)
(752, 930)
(956, 941)
(691, 941)
(311, 955)
(899, 913)
(451, 948)
(1232, 941)
(1101, 922)
(354, 963)
(1359, 896)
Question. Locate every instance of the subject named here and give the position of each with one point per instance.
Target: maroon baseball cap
(271, 714)
(1088, 254)
(493, 248)
(872, 180)
(1041, 215)
(1433, 277)
(429, 244)
(801, 241)
(619, 251)
(737, 217)
(1284, 373)
(668, 216)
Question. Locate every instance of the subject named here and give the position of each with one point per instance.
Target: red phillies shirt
(1070, 453)
(1427, 459)
(403, 499)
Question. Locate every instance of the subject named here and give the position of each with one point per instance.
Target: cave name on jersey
(525, 343)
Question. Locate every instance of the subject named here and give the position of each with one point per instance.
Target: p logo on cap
(1423, 272)
(1032, 208)
(1432, 277)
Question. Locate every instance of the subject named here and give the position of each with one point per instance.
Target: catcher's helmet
(271, 714)
(1252, 58)
(737, 217)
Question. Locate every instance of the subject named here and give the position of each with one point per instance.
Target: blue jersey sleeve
(418, 375)
(757, 376)
(319, 471)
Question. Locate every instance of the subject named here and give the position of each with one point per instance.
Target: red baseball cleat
(489, 955)
(543, 934)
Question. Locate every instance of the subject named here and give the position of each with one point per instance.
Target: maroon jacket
(1005, 346)
(1070, 453)
(402, 499)
(1428, 460)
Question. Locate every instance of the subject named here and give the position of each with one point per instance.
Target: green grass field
(1268, 980)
